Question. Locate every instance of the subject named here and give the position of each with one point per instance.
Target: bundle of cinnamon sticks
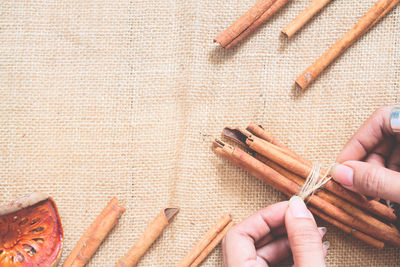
(274, 163)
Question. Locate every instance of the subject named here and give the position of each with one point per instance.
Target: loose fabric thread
(313, 182)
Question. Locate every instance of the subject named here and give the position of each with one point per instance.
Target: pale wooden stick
(205, 241)
(304, 17)
(152, 232)
(94, 235)
(203, 255)
(365, 23)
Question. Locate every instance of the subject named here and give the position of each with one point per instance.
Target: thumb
(369, 179)
(304, 237)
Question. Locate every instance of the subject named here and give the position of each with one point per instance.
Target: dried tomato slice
(30, 232)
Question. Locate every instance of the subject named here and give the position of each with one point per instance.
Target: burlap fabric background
(117, 98)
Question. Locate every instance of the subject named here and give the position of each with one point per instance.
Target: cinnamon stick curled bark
(152, 232)
(304, 17)
(364, 24)
(205, 241)
(94, 235)
(248, 22)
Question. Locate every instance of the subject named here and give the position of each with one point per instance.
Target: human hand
(273, 234)
(370, 161)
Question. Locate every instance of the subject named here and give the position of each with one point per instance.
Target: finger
(369, 179)
(239, 242)
(279, 249)
(381, 153)
(273, 234)
(394, 160)
(370, 134)
(304, 237)
(275, 251)
(279, 232)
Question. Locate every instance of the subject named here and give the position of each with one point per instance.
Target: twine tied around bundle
(313, 182)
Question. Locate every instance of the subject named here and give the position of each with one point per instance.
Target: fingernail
(322, 230)
(298, 208)
(343, 174)
(326, 245)
(260, 260)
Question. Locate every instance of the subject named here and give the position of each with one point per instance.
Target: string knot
(314, 181)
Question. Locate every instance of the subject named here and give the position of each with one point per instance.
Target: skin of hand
(275, 233)
(370, 161)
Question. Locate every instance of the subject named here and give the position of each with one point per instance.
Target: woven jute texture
(120, 98)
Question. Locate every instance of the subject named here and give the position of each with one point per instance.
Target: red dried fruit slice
(30, 232)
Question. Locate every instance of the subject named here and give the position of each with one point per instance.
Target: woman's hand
(370, 161)
(275, 233)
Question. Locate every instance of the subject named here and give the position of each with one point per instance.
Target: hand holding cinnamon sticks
(367, 220)
(370, 160)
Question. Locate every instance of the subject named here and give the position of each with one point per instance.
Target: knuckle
(373, 181)
(381, 111)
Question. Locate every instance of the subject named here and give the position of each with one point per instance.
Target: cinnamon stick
(300, 168)
(390, 7)
(267, 174)
(304, 17)
(203, 255)
(261, 132)
(152, 232)
(365, 23)
(248, 22)
(357, 234)
(205, 241)
(94, 235)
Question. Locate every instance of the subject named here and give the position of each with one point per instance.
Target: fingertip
(298, 208)
(343, 174)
